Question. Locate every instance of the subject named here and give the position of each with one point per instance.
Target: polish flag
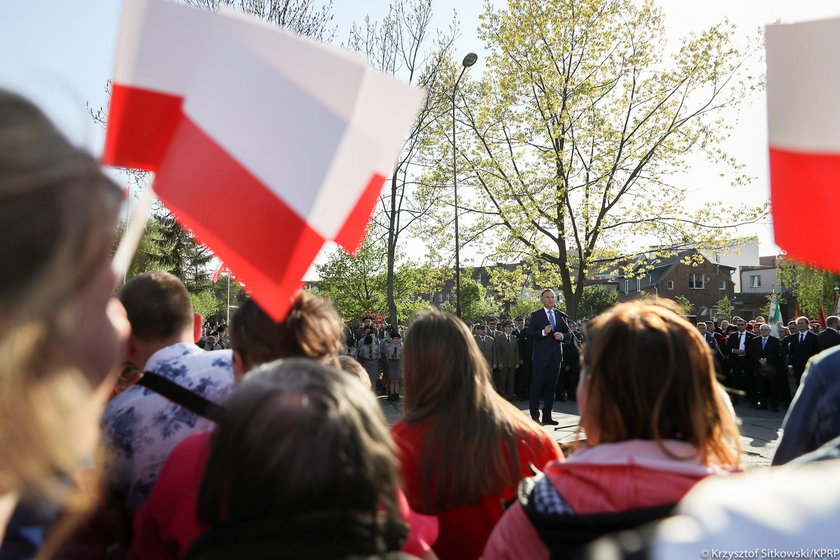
(803, 114)
(265, 145)
(821, 316)
(219, 271)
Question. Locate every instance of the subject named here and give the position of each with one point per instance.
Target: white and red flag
(265, 145)
(803, 114)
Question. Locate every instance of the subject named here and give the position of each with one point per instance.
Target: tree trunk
(392, 251)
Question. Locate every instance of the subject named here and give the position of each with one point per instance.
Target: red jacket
(464, 529)
(168, 522)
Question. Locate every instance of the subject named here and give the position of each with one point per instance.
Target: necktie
(551, 320)
(394, 355)
(508, 337)
(801, 338)
(763, 342)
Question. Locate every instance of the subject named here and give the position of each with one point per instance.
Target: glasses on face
(742, 324)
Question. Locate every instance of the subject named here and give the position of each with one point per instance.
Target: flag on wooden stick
(264, 144)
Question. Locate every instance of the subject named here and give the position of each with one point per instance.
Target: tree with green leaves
(724, 308)
(810, 286)
(403, 44)
(685, 304)
(578, 124)
(356, 283)
(596, 300)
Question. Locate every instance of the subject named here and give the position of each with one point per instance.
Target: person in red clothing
(301, 466)
(463, 448)
(656, 422)
(167, 523)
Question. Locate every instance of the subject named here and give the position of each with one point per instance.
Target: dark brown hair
(312, 329)
(300, 440)
(651, 376)
(158, 305)
(470, 448)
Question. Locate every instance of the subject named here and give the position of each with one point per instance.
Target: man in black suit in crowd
(739, 366)
(548, 329)
(831, 335)
(523, 372)
(766, 358)
(803, 345)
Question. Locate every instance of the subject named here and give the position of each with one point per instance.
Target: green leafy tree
(810, 286)
(570, 138)
(724, 307)
(524, 308)
(396, 45)
(596, 300)
(476, 305)
(685, 304)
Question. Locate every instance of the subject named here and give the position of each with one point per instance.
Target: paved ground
(759, 428)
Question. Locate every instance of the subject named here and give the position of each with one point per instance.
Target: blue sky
(60, 54)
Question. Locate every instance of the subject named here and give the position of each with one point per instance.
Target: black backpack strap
(181, 396)
(565, 534)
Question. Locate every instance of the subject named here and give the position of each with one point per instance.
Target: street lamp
(469, 60)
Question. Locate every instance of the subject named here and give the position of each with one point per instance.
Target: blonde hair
(58, 213)
(651, 376)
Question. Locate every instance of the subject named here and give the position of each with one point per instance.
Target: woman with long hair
(61, 332)
(656, 422)
(463, 448)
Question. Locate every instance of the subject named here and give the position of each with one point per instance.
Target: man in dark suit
(523, 372)
(765, 356)
(830, 336)
(739, 366)
(548, 329)
(803, 345)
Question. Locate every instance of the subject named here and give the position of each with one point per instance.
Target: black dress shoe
(549, 422)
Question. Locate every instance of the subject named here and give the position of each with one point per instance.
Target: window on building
(722, 285)
(696, 282)
(670, 284)
(755, 281)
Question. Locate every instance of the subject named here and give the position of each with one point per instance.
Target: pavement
(760, 429)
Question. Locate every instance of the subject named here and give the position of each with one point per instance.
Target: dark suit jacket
(772, 351)
(828, 338)
(545, 346)
(733, 342)
(800, 353)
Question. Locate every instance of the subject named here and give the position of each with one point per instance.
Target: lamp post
(468, 61)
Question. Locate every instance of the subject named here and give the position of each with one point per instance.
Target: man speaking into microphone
(549, 329)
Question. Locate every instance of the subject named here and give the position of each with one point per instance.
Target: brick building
(703, 284)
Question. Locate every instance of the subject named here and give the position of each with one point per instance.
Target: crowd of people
(278, 448)
(765, 368)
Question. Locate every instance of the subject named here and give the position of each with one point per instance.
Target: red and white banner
(803, 114)
(265, 145)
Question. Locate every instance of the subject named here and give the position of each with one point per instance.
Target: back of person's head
(301, 446)
(443, 366)
(646, 374)
(57, 222)
(312, 329)
(158, 305)
(355, 369)
(448, 389)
